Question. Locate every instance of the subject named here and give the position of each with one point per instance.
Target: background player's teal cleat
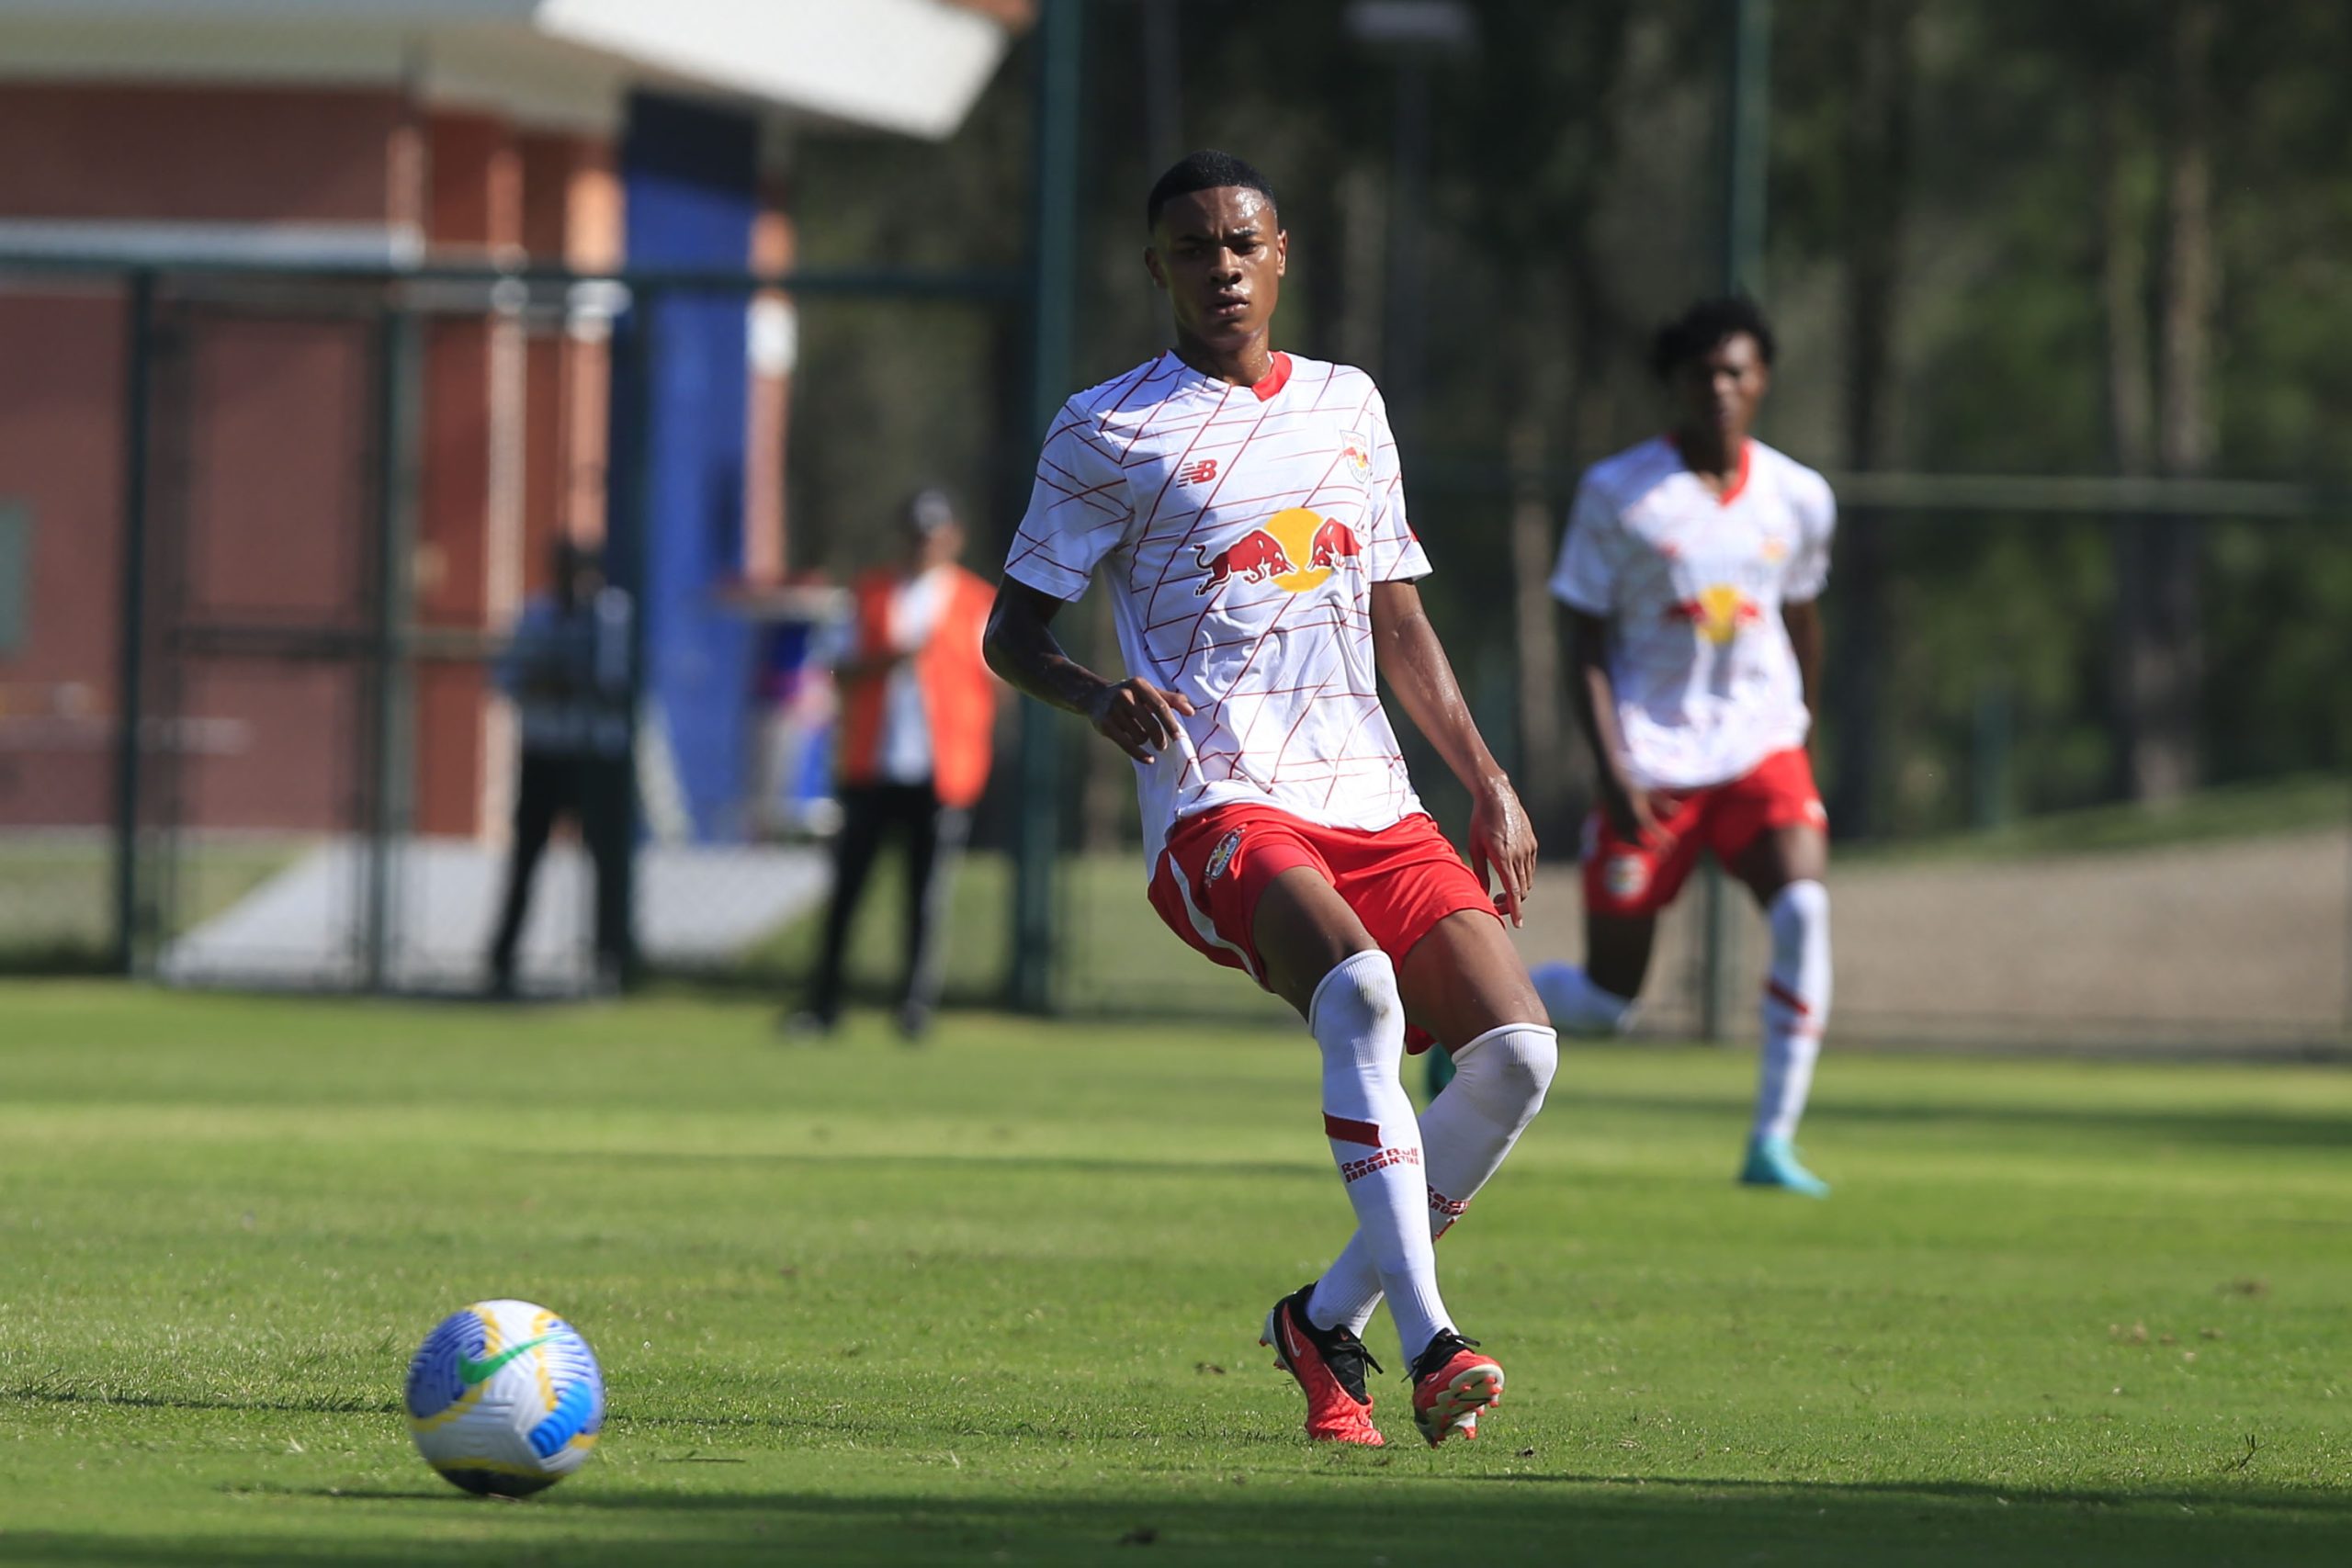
(1772, 1162)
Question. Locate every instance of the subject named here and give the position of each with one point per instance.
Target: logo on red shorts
(1222, 856)
(1625, 876)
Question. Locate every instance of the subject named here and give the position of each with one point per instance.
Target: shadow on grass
(69, 1393)
(1312, 1164)
(1358, 1519)
(830, 1423)
(2232, 1129)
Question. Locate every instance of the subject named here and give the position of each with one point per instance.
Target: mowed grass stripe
(997, 1300)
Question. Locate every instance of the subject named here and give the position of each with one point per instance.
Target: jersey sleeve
(1079, 510)
(1817, 510)
(1392, 551)
(1591, 554)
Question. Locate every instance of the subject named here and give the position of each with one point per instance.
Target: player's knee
(1799, 909)
(1529, 1064)
(1358, 1001)
(1510, 1071)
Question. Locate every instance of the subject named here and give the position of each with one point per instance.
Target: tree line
(2108, 238)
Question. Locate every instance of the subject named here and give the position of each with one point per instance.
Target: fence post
(627, 536)
(389, 760)
(1052, 309)
(1747, 123)
(130, 702)
(1748, 120)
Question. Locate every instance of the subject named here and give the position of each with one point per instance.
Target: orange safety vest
(958, 692)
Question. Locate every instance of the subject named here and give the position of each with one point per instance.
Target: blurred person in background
(1246, 509)
(566, 669)
(1690, 569)
(918, 713)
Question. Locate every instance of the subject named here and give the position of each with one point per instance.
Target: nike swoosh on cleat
(470, 1372)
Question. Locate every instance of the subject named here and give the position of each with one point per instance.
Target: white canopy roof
(910, 66)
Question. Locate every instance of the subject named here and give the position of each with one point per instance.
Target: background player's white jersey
(1692, 585)
(1239, 530)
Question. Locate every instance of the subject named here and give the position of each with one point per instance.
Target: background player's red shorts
(1624, 878)
(1400, 881)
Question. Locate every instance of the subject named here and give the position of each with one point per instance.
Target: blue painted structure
(689, 173)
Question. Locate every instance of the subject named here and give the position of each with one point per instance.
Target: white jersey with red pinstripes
(1240, 530)
(1693, 585)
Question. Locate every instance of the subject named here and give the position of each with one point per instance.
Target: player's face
(1218, 255)
(1721, 390)
(940, 546)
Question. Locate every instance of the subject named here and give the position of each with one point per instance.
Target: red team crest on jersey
(1356, 451)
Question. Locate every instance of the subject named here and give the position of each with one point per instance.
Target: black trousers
(595, 793)
(935, 836)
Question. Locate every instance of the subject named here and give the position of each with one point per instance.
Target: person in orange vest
(918, 710)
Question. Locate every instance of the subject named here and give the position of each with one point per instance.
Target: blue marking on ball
(434, 1383)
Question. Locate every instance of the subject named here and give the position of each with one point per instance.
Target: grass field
(995, 1301)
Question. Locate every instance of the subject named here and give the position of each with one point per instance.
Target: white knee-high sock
(1359, 1021)
(1500, 1080)
(1796, 1006)
(1577, 1006)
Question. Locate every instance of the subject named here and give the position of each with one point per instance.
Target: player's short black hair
(1204, 170)
(1697, 330)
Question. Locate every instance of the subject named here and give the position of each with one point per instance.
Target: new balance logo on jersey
(1197, 473)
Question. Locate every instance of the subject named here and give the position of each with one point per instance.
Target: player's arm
(1804, 622)
(1134, 714)
(1808, 575)
(1413, 662)
(1594, 695)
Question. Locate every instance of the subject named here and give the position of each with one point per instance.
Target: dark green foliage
(1576, 186)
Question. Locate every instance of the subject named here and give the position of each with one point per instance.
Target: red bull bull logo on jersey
(1718, 613)
(1253, 558)
(1293, 550)
(1335, 542)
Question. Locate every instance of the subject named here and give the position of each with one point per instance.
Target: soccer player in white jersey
(1690, 571)
(1244, 509)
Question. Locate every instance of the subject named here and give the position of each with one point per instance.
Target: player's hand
(1138, 718)
(1502, 847)
(1632, 816)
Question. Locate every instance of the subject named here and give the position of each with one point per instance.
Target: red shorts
(1625, 878)
(1400, 881)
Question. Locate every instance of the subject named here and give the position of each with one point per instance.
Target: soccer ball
(505, 1397)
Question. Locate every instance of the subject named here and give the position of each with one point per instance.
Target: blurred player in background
(567, 670)
(918, 711)
(1690, 571)
(1245, 508)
